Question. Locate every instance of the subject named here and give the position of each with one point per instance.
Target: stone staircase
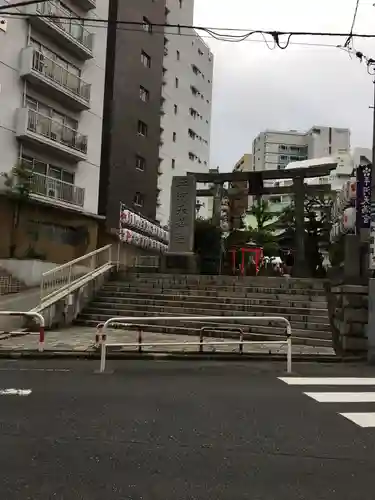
(302, 302)
(9, 284)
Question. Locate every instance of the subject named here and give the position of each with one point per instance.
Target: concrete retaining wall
(63, 312)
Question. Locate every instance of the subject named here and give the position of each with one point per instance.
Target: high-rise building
(51, 98)
(187, 101)
(157, 113)
(276, 149)
(132, 109)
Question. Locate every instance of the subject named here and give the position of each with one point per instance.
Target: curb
(14, 354)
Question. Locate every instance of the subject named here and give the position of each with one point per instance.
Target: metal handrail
(78, 86)
(65, 275)
(137, 319)
(30, 314)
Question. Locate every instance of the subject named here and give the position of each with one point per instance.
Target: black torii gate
(256, 187)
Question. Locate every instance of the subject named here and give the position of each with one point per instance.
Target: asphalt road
(178, 431)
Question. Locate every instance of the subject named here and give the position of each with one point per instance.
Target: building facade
(132, 110)
(276, 149)
(187, 101)
(52, 74)
(241, 201)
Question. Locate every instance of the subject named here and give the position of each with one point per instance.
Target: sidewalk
(82, 339)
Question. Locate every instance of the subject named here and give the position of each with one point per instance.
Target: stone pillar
(300, 267)
(217, 201)
(180, 257)
(352, 258)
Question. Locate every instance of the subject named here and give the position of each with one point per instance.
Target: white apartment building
(276, 149)
(187, 102)
(347, 162)
(52, 75)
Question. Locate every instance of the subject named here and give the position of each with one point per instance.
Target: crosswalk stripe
(15, 392)
(342, 397)
(361, 419)
(327, 380)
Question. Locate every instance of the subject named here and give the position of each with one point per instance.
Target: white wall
(192, 50)
(319, 141)
(13, 88)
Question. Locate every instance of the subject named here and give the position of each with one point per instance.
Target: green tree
(18, 183)
(262, 234)
(317, 230)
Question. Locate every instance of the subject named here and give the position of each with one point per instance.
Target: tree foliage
(261, 235)
(18, 180)
(317, 230)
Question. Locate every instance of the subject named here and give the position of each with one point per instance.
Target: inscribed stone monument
(182, 215)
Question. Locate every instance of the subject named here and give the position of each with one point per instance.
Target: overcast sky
(256, 88)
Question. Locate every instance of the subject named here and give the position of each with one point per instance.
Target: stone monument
(180, 257)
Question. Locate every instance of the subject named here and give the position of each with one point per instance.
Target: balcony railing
(57, 190)
(44, 125)
(70, 26)
(60, 75)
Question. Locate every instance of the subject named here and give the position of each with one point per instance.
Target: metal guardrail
(129, 320)
(63, 276)
(30, 314)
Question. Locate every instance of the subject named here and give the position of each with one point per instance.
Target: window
(138, 199)
(41, 168)
(147, 25)
(176, 82)
(145, 59)
(140, 163)
(174, 136)
(175, 107)
(72, 83)
(64, 124)
(178, 55)
(173, 164)
(142, 129)
(144, 94)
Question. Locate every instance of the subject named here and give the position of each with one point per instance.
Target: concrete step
(298, 301)
(258, 333)
(299, 322)
(212, 309)
(217, 291)
(273, 282)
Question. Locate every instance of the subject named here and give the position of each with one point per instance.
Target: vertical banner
(363, 200)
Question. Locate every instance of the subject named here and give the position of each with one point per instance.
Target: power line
(350, 37)
(214, 32)
(21, 4)
(208, 37)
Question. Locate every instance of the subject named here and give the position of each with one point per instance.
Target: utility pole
(371, 283)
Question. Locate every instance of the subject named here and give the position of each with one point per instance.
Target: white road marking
(15, 392)
(59, 370)
(328, 380)
(361, 419)
(342, 397)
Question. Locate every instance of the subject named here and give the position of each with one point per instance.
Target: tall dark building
(132, 104)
